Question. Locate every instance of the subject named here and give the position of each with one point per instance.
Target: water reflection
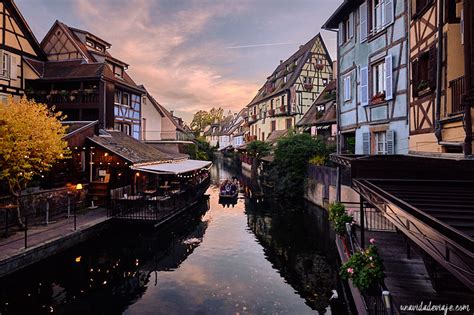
(252, 257)
(106, 275)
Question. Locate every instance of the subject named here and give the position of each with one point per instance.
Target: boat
(229, 189)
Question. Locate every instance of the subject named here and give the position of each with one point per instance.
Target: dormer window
(118, 71)
(90, 44)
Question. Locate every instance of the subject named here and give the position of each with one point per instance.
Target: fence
(155, 208)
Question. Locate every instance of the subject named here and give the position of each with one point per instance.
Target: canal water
(252, 257)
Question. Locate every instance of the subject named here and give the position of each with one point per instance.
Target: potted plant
(364, 269)
(308, 86)
(423, 87)
(73, 95)
(319, 66)
(339, 217)
(271, 112)
(282, 108)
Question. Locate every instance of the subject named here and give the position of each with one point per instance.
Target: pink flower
(371, 258)
(372, 240)
(350, 270)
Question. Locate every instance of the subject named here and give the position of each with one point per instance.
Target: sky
(193, 54)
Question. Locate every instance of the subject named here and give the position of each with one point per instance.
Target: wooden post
(362, 223)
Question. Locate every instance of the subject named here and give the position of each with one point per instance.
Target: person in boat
(228, 188)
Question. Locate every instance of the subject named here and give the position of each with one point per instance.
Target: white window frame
(5, 69)
(347, 88)
(380, 138)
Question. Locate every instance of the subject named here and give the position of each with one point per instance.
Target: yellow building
(20, 50)
(290, 90)
(438, 84)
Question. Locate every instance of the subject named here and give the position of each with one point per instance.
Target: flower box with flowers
(339, 218)
(365, 269)
(378, 98)
(271, 112)
(319, 66)
(282, 109)
(308, 86)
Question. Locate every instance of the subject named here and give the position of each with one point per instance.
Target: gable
(58, 45)
(17, 36)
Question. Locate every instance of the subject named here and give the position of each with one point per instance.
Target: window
(283, 100)
(89, 43)
(325, 81)
(125, 99)
(284, 79)
(307, 80)
(263, 136)
(126, 129)
(118, 97)
(271, 104)
(381, 13)
(378, 78)
(347, 88)
(424, 72)
(5, 65)
(273, 126)
(346, 29)
(118, 71)
(289, 123)
(419, 6)
(380, 142)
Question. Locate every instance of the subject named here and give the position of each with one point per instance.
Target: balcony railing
(79, 97)
(457, 87)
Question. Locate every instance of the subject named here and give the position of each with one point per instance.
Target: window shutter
(351, 25)
(390, 142)
(341, 33)
(347, 88)
(388, 77)
(364, 86)
(366, 143)
(432, 66)
(363, 22)
(414, 80)
(13, 68)
(462, 27)
(389, 12)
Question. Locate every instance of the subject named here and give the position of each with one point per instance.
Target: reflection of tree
(112, 272)
(297, 243)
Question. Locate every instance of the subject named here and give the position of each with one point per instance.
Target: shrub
(339, 217)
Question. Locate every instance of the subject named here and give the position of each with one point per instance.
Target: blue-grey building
(372, 76)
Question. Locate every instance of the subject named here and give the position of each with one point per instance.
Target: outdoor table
(7, 213)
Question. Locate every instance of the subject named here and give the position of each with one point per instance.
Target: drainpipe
(439, 71)
(467, 97)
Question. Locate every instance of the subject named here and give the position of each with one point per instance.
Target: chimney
(301, 46)
(172, 112)
(281, 61)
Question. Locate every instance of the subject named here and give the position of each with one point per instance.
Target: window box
(378, 98)
(282, 109)
(319, 66)
(308, 86)
(271, 112)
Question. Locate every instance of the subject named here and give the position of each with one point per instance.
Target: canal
(252, 257)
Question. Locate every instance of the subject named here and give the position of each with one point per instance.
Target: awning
(174, 168)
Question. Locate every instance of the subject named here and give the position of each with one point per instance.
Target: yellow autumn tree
(31, 141)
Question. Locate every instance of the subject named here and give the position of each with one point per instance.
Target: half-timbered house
(438, 114)
(19, 51)
(372, 75)
(84, 81)
(290, 90)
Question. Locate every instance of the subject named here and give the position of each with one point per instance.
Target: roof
(275, 135)
(301, 55)
(129, 148)
(341, 12)
(327, 98)
(173, 168)
(22, 24)
(74, 69)
(73, 127)
(96, 38)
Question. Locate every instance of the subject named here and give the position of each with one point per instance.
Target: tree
(257, 149)
(31, 141)
(203, 118)
(199, 150)
(291, 160)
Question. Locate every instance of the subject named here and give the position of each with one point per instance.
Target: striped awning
(183, 166)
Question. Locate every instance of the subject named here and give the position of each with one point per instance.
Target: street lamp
(78, 188)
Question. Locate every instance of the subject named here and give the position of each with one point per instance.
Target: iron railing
(155, 208)
(457, 87)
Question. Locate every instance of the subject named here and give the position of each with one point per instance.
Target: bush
(364, 268)
(339, 217)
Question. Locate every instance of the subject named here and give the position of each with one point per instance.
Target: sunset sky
(193, 54)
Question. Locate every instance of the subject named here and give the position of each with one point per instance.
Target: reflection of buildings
(302, 255)
(107, 276)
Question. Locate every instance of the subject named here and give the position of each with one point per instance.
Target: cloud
(259, 45)
(162, 55)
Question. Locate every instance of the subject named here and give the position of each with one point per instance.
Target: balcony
(65, 97)
(458, 88)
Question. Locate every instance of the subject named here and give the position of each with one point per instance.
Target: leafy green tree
(292, 155)
(200, 150)
(31, 141)
(203, 118)
(257, 149)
